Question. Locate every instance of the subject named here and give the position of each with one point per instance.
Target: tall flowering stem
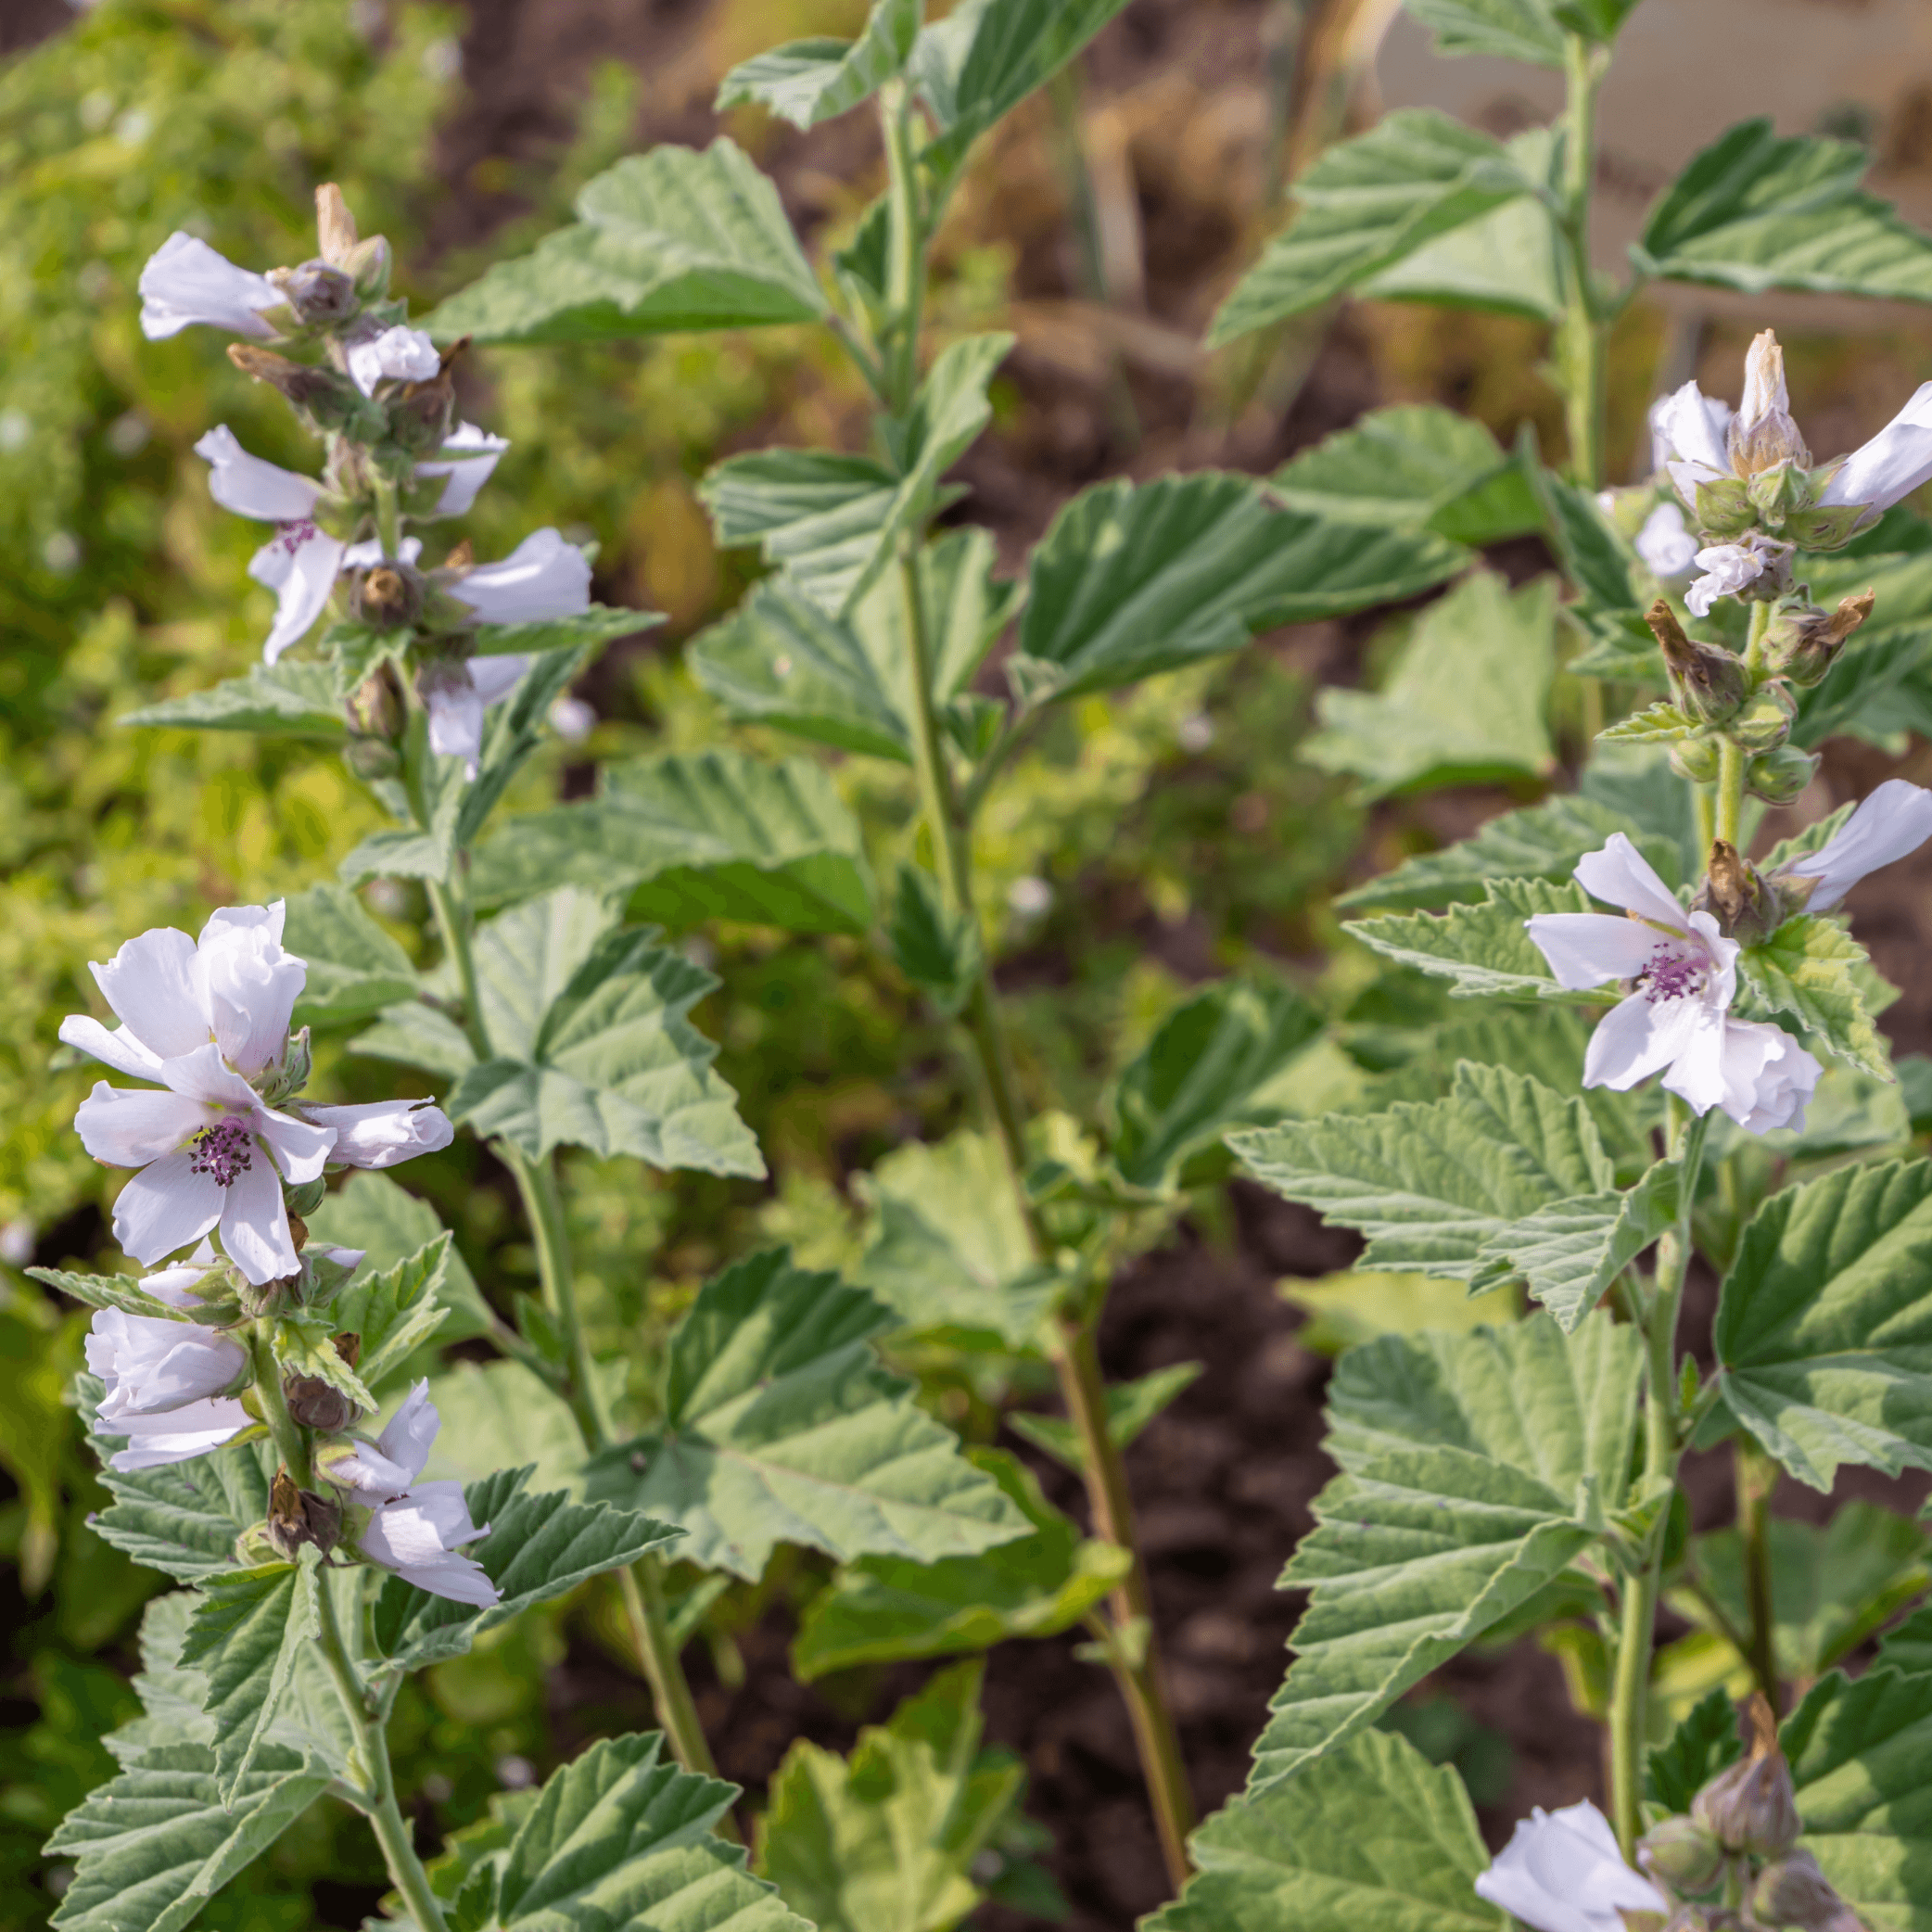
(1585, 327)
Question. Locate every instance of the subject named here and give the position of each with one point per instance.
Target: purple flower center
(292, 536)
(222, 1151)
(1671, 976)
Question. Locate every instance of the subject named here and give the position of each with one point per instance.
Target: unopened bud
(318, 293)
(1778, 777)
(419, 415)
(298, 1232)
(1824, 525)
(1802, 641)
(1780, 492)
(376, 711)
(1722, 507)
(372, 758)
(349, 1345)
(1794, 1892)
(1698, 760)
(369, 263)
(299, 1516)
(334, 226)
(288, 1074)
(385, 596)
(318, 1404)
(1762, 434)
(307, 1197)
(1764, 719)
(1750, 1806)
(1682, 1853)
(1711, 683)
(1738, 896)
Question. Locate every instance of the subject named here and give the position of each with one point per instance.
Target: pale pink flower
(1666, 549)
(1895, 463)
(464, 462)
(382, 1133)
(398, 354)
(1896, 819)
(1730, 568)
(187, 282)
(543, 576)
(457, 694)
(1562, 1871)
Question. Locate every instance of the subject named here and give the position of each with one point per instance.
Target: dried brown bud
(300, 382)
(1742, 902)
(462, 556)
(334, 226)
(1750, 1806)
(420, 414)
(318, 293)
(386, 596)
(349, 1345)
(1795, 1892)
(297, 1231)
(376, 711)
(299, 1516)
(1711, 682)
(1802, 641)
(318, 1404)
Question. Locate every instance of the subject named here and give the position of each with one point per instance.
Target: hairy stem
(657, 1654)
(291, 1440)
(1755, 1477)
(906, 255)
(1731, 756)
(450, 905)
(1584, 330)
(377, 1800)
(388, 519)
(1662, 1449)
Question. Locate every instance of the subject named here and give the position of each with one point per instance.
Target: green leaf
(1517, 29)
(155, 1844)
(1809, 968)
(355, 969)
(1572, 1251)
(951, 1251)
(1825, 1324)
(1134, 578)
(1355, 1305)
(1592, 556)
(293, 699)
(807, 82)
(666, 240)
(539, 1546)
(184, 1518)
(887, 1842)
(1484, 948)
(247, 1634)
(485, 1405)
(418, 1036)
(595, 1048)
(123, 1291)
(395, 1310)
(304, 1345)
(1832, 1584)
(1365, 205)
(1417, 464)
(1661, 723)
(373, 1213)
(1701, 1747)
(1465, 701)
(779, 1426)
(778, 659)
(937, 949)
(1540, 842)
(410, 852)
(622, 1835)
(1220, 1060)
(881, 1610)
(1431, 1185)
(1130, 1407)
(1754, 213)
(1861, 1756)
(1867, 688)
(697, 836)
(1474, 1467)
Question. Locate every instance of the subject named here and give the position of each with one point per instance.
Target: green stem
(1731, 756)
(451, 904)
(1584, 328)
(663, 1667)
(377, 1801)
(1662, 1447)
(291, 1441)
(388, 519)
(906, 255)
(1756, 1476)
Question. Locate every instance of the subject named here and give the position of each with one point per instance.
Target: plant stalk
(663, 1667)
(291, 1442)
(1584, 328)
(906, 257)
(452, 924)
(1732, 757)
(1756, 1476)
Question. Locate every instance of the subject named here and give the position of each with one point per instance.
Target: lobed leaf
(1484, 948)
(355, 969)
(293, 699)
(183, 1518)
(1809, 968)
(807, 82)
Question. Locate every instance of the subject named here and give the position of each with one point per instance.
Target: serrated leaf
(1484, 948)
(670, 239)
(539, 1546)
(355, 969)
(1130, 1407)
(246, 1635)
(306, 1346)
(1355, 1305)
(1515, 30)
(1701, 1747)
(184, 1518)
(1540, 842)
(1417, 464)
(1825, 1324)
(418, 1036)
(1431, 1185)
(886, 1842)
(1373, 1839)
(937, 949)
(1465, 701)
(395, 1310)
(410, 852)
(1867, 690)
(1363, 206)
(1593, 558)
(1662, 723)
(883, 1608)
(779, 1426)
(156, 1843)
(1215, 1063)
(622, 1835)
(696, 836)
(293, 699)
(485, 1405)
(807, 82)
(1134, 578)
(1472, 1466)
(1754, 213)
(373, 1213)
(593, 1047)
(950, 1250)
(122, 1291)
(1809, 968)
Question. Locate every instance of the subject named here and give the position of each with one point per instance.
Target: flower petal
(129, 1130)
(255, 1228)
(1586, 949)
(150, 984)
(1667, 548)
(302, 1149)
(120, 1048)
(1768, 1078)
(496, 677)
(398, 354)
(166, 1206)
(205, 1076)
(543, 576)
(251, 486)
(383, 1133)
(1893, 463)
(466, 460)
(193, 1429)
(456, 723)
(300, 565)
(1697, 1074)
(1895, 819)
(187, 282)
(1637, 1037)
(1620, 875)
(252, 987)
(411, 1431)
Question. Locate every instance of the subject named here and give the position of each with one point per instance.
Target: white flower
(1728, 569)
(464, 462)
(572, 719)
(1676, 1020)
(418, 1528)
(397, 355)
(383, 1133)
(187, 282)
(166, 1381)
(200, 1019)
(1689, 428)
(1561, 1872)
(543, 576)
(1894, 463)
(1895, 819)
(456, 696)
(1667, 548)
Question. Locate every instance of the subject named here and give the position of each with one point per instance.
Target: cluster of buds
(382, 397)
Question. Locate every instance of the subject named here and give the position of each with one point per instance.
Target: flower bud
(1778, 776)
(371, 758)
(386, 596)
(1761, 434)
(299, 1516)
(288, 1074)
(321, 295)
(1742, 902)
(1793, 1891)
(1682, 1853)
(318, 1404)
(1824, 525)
(421, 414)
(1803, 640)
(1697, 758)
(1779, 492)
(369, 263)
(1764, 719)
(327, 400)
(1723, 507)
(307, 1198)
(1711, 683)
(1750, 1806)
(334, 226)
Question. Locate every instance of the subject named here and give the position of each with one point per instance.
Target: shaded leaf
(807, 82)
(1701, 1747)
(937, 949)
(374, 1213)
(1130, 1407)
(184, 1518)
(1809, 968)
(1517, 29)
(355, 969)
(1484, 948)
(293, 699)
